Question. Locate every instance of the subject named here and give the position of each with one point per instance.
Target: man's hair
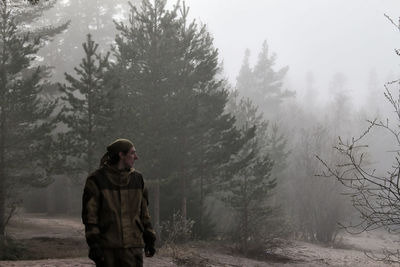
(113, 158)
(112, 155)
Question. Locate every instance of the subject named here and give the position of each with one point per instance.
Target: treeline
(160, 86)
(231, 162)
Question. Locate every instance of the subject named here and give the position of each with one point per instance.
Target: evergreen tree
(245, 80)
(26, 112)
(341, 106)
(148, 54)
(263, 84)
(216, 140)
(250, 189)
(172, 103)
(87, 111)
(269, 138)
(311, 94)
(277, 149)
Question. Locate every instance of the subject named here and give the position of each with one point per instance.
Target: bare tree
(316, 204)
(375, 196)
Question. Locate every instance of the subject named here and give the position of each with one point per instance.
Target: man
(114, 211)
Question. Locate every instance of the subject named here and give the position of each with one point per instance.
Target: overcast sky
(322, 36)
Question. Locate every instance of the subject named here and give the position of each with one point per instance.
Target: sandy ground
(62, 238)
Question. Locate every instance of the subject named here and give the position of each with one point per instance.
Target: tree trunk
(3, 131)
(2, 177)
(157, 210)
(68, 196)
(183, 182)
(90, 123)
(51, 199)
(245, 219)
(3, 134)
(201, 203)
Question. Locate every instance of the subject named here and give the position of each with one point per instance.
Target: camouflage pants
(122, 257)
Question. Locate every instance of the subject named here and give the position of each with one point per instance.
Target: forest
(254, 168)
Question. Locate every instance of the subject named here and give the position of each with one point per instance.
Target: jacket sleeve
(145, 216)
(90, 207)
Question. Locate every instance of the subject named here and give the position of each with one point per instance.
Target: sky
(319, 36)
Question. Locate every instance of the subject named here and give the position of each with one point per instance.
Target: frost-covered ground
(61, 239)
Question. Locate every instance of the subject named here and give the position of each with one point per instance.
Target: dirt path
(39, 225)
(62, 240)
(77, 262)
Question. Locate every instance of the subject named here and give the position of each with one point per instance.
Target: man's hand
(149, 238)
(96, 253)
(149, 251)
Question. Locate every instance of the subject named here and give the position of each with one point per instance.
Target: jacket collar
(118, 177)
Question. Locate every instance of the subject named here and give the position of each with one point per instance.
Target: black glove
(149, 239)
(149, 251)
(96, 253)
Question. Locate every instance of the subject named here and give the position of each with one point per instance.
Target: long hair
(111, 157)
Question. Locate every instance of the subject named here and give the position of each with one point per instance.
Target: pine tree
(87, 111)
(263, 84)
(245, 80)
(341, 106)
(172, 103)
(311, 94)
(277, 149)
(249, 190)
(215, 140)
(26, 111)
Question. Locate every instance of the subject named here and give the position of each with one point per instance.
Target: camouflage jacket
(114, 210)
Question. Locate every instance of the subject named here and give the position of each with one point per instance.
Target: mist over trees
(374, 190)
(85, 16)
(263, 84)
(249, 151)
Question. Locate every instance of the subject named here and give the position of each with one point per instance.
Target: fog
(264, 132)
(322, 37)
(318, 37)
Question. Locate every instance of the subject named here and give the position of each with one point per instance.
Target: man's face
(129, 158)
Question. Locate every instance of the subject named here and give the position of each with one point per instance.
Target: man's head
(122, 153)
